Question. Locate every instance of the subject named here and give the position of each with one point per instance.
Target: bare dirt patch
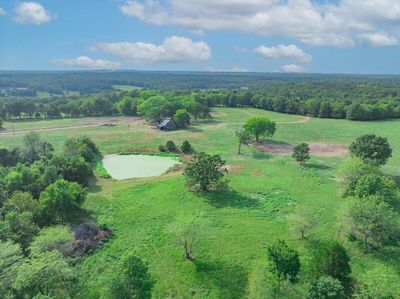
(233, 167)
(319, 149)
(113, 121)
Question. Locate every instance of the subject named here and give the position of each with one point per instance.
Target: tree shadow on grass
(231, 280)
(194, 130)
(317, 166)
(94, 186)
(257, 155)
(230, 198)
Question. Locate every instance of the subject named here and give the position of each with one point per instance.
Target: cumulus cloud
(31, 13)
(174, 49)
(292, 68)
(287, 52)
(378, 39)
(87, 62)
(337, 24)
(2, 11)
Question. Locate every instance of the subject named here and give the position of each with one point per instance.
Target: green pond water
(122, 167)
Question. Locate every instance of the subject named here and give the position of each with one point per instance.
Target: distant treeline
(87, 82)
(334, 98)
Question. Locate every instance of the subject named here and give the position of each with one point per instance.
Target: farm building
(167, 125)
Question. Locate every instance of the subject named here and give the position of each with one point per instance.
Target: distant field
(236, 225)
(126, 87)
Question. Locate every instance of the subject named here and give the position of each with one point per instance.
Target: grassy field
(236, 225)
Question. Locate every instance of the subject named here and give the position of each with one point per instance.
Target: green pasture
(236, 225)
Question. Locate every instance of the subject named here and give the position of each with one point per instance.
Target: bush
(186, 147)
(162, 148)
(326, 287)
(53, 238)
(331, 259)
(170, 146)
(285, 261)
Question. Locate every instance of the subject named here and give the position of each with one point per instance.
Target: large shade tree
(260, 127)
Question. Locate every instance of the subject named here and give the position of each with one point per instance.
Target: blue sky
(341, 36)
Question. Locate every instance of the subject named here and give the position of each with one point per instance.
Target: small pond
(122, 167)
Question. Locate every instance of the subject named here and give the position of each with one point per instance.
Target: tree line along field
(236, 225)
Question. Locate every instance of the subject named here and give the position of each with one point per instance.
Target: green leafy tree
(284, 260)
(375, 223)
(326, 287)
(371, 149)
(127, 106)
(181, 118)
(22, 227)
(301, 153)
(10, 257)
(47, 273)
(186, 147)
(134, 280)
(331, 259)
(60, 201)
(73, 169)
(82, 146)
(244, 137)
(21, 202)
(35, 148)
(154, 108)
(260, 126)
(24, 178)
(51, 238)
(205, 171)
(352, 171)
(377, 185)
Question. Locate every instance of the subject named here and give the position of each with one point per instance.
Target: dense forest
(66, 94)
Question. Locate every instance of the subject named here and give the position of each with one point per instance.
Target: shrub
(186, 147)
(285, 261)
(170, 146)
(326, 287)
(162, 148)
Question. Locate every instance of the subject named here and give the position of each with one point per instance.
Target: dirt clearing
(319, 149)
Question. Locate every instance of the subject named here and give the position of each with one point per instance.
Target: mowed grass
(236, 225)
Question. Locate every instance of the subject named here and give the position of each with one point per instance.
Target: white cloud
(287, 52)
(378, 39)
(87, 62)
(230, 69)
(304, 20)
(174, 49)
(2, 11)
(31, 13)
(292, 68)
